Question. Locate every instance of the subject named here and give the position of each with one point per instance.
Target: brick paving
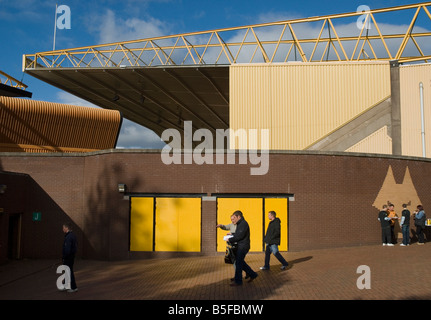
(326, 274)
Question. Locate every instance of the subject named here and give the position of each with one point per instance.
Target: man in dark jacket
(385, 222)
(242, 238)
(272, 240)
(69, 250)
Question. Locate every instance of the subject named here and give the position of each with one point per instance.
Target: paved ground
(395, 273)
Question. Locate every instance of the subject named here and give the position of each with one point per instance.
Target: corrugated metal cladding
(411, 128)
(302, 102)
(377, 142)
(38, 126)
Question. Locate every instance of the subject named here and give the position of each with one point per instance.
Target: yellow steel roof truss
(273, 44)
(11, 81)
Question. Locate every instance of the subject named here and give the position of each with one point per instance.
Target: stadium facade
(342, 138)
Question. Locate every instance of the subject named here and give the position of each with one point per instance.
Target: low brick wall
(334, 197)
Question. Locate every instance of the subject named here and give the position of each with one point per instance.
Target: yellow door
(252, 209)
(141, 224)
(279, 206)
(178, 224)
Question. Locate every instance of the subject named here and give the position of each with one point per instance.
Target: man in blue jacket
(69, 250)
(420, 219)
(242, 238)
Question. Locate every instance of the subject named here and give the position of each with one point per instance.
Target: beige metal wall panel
(302, 102)
(39, 126)
(378, 142)
(411, 129)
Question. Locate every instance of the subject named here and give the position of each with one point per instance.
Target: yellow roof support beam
(218, 46)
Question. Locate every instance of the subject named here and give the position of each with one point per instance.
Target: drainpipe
(421, 91)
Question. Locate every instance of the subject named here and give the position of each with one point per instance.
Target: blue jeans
(273, 248)
(406, 234)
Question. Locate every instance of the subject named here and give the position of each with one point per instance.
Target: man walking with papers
(242, 238)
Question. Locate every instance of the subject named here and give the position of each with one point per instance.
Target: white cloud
(134, 136)
(114, 29)
(67, 98)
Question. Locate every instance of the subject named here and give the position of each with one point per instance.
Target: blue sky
(27, 26)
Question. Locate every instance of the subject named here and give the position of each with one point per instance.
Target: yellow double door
(255, 211)
(174, 223)
(165, 224)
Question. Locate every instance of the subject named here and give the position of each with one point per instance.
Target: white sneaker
(390, 245)
(384, 244)
(402, 245)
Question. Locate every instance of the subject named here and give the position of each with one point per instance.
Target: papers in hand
(226, 238)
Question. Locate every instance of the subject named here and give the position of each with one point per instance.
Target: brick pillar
(209, 222)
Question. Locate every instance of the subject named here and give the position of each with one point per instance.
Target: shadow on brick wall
(31, 222)
(106, 222)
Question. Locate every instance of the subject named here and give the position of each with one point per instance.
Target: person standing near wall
(70, 246)
(420, 218)
(393, 216)
(385, 223)
(272, 240)
(405, 225)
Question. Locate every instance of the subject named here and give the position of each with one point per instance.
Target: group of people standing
(240, 231)
(388, 218)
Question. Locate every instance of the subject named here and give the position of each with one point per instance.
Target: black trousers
(386, 235)
(241, 265)
(420, 233)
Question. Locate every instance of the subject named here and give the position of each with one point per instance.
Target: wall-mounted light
(3, 188)
(122, 188)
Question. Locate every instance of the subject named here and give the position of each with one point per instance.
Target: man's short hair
(67, 225)
(238, 214)
(273, 213)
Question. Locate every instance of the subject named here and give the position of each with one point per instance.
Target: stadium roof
(161, 82)
(155, 97)
(11, 87)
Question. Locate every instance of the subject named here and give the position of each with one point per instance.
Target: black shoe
(284, 267)
(264, 268)
(252, 278)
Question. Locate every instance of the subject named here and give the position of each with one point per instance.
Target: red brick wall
(332, 207)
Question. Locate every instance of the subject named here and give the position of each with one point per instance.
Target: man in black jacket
(272, 240)
(242, 238)
(385, 222)
(69, 250)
